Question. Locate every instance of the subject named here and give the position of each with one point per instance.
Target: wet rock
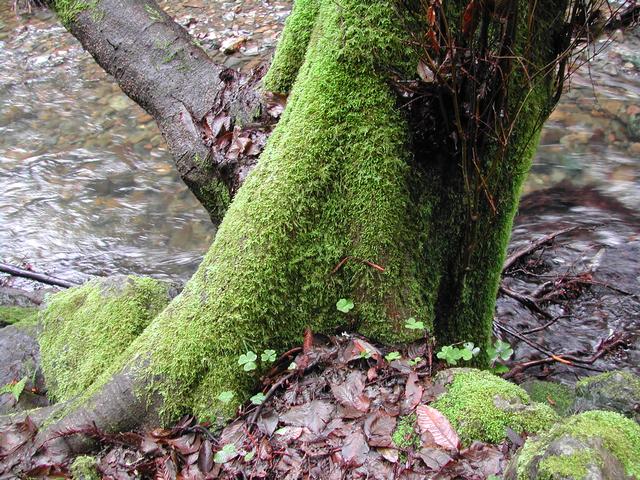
(20, 359)
(617, 391)
(232, 45)
(594, 445)
(481, 406)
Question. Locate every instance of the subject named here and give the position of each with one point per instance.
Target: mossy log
(339, 179)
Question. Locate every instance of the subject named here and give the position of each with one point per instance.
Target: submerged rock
(481, 406)
(617, 391)
(593, 445)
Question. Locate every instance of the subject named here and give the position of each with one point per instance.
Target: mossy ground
(618, 434)
(84, 468)
(86, 328)
(12, 315)
(559, 397)
(480, 406)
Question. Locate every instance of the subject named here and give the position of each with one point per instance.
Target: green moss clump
(575, 465)
(87, 327)
(84, 468)
(480, 406)
(68, 10)
(610, 431)
(12, 315)
(560, 397)
(405, 435)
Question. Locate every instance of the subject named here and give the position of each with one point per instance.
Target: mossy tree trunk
(347, 174)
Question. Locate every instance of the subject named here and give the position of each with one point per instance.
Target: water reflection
(88, 187)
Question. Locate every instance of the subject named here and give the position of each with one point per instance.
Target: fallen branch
(518, 254)
(527, 301)
(38, 277)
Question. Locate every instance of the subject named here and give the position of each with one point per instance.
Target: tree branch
(213, 118)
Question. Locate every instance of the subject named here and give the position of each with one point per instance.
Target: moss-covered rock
(11, 315)
(617, 391)
(84, 329)
(560, 397)
(592, 445)
(480, 406)
(84, 468)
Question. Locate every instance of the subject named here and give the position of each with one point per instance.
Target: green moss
(560, 397)
(332, 182)
(215, 195)
(405, 435)
(337, 179)
(68, 10)
(616, 433)
(480, 406)
(575, 465)
(12, 315)
(292, 46)
(86, 328)
(84, 468)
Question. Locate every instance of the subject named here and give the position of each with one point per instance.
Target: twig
(518, 254)
(526, 300)
(38, 277)
(546, 325)
(268, 395)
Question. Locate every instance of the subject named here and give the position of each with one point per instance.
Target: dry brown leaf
(433, 421)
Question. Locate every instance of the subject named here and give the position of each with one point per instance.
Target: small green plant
(248, 361)
(345, 305)
(258, 398)
(225, 454)
(390, 357)
(14, 389)
(292, 366)
(452, 354)
(412, 324)
(268, 356)
(499, 351)
(365, 354)
(414, 361)
(226, 397)
(249, 456)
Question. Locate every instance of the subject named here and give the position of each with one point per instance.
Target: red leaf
(355, 449)
(350, 393)
(433, 39)
(432, 421)
(468, 19)
(431, 16)
(412, 393)
(205, 459)
(378, 427)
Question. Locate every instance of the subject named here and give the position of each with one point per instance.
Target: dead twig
(38, 277)
(525, 300)
(519, 254)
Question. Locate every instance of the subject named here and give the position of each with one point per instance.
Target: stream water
(88, 187)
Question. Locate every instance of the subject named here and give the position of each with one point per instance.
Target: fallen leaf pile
(333, 417)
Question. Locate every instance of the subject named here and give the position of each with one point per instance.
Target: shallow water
(88, 187)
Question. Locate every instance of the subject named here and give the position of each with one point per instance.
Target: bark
(197, 103)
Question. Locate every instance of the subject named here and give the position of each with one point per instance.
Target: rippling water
(88, 187)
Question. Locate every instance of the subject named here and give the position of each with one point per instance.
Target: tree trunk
(350, 172)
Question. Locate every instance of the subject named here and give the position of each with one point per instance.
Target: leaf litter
(333, 419)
